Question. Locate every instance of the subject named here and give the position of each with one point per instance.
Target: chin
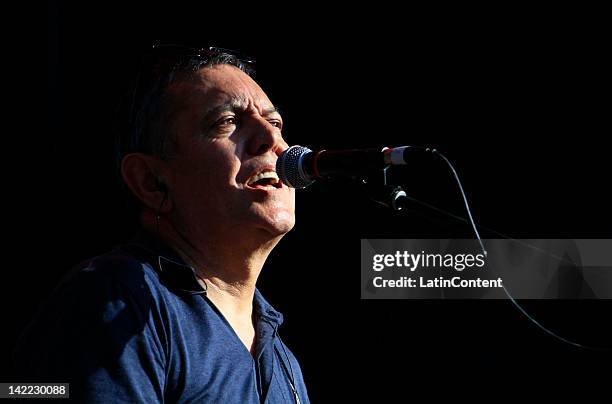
(278, 223)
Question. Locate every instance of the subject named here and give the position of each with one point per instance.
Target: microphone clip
(386, 194)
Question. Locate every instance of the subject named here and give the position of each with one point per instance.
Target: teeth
(262, 175)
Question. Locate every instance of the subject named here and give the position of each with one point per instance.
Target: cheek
(224, 166)
(206, 186)
(217, 167)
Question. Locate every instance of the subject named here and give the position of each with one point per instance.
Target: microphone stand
(384, 193)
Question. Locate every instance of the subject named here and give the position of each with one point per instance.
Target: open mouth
(265, 180)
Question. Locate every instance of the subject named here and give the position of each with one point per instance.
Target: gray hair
(144, 119)
(146, 126)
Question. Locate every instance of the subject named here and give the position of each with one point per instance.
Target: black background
(522, 109)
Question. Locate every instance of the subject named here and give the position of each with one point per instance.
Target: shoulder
(102, 288)
(116, 272)
(104, 314)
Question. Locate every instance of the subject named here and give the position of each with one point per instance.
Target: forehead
(223, 84)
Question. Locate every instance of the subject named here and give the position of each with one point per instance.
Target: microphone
(299, 166)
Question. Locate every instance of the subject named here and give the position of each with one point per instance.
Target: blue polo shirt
(135, 326)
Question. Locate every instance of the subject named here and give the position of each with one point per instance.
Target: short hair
(145, 124)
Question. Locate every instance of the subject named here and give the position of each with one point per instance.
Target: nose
(265, 137)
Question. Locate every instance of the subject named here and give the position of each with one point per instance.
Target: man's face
(226, 131)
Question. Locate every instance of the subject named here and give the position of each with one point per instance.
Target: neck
(228, 265)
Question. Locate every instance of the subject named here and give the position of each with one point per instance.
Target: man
(175, 315)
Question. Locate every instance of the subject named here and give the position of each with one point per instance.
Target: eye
(276, 123)
(225, 121)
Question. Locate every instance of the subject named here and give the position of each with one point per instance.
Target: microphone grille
(288, 167)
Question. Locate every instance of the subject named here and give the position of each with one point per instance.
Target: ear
(140, 173)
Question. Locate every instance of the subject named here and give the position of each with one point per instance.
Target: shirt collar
(173, 272)
(176, 275)
(265, 310)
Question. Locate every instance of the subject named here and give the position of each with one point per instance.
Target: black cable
(471, 220)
